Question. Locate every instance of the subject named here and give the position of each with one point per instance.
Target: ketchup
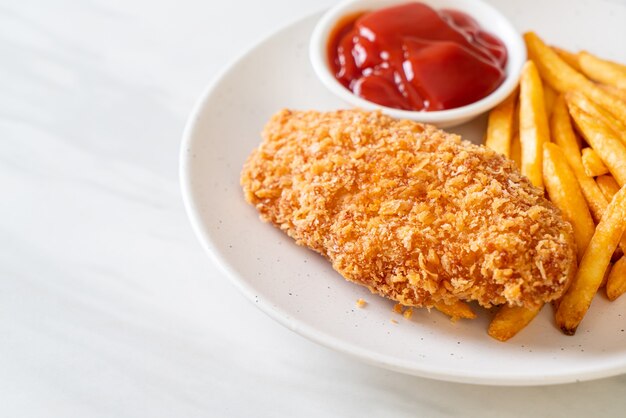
(413, 57)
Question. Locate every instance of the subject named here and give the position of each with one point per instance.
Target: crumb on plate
(408, 313)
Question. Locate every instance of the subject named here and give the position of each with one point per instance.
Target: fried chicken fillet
(413, 213)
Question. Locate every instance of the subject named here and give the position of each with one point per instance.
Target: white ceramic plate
(301, 291)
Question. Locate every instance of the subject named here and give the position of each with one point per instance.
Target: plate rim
(284, 318)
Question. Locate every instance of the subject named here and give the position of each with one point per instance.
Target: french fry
(533, 124)
(456, 311)
(564, 137)
(583, 103)
(509, 320)
(549, 97)
(595, 261)
(603, 71)
(516, 150)
(564, 78)
(516, 146)
(606, 274)
(616, 282)
(554, 70)
(500, 126)
(620, 93)
(569, 57)
(604, 142)
(608, 185)
(565, 193)
(592, 163)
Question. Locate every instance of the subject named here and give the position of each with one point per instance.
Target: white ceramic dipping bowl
(487, 16)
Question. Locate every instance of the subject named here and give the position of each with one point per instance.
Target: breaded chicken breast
(413, 213)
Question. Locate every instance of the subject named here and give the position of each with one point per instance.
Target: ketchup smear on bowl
(413, 57)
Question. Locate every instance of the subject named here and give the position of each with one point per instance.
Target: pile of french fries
(565, 127)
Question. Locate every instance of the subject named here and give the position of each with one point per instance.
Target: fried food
(603, 71)
(516, 149)
(615, 91)
(616, 280)
(564, 137)
(604, 142)
(583, 103)
(564, 78)
(565, 193)
(592, 163)
(509, 320)
(549, 97)
(569, 57)
(608, 185)
(595, 261)
(536, 104)
(456, 311)
(533, 130)
(500, 126)
(411, 212)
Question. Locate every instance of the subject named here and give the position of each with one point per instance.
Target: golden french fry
(456, 311)
(500, 126)
(620, 93)
(583, 103)
(549, 97)
(616, 282)
(516, 150)
(603, 71)
(604, 142)
(564, 137)
(595, 261)
(592, 163)
(564, 78)
(554, 70)
(533, 124)
(516, 146)
(565, 193)
(607, 272)
(608, 185)
(569, 57)
(509, 320)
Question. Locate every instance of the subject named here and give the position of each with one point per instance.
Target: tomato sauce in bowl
(413, 57)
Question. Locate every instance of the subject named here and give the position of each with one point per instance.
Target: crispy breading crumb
(408, 313)
(411, 212)
(393, 321)
(360, 303)
(397, 308)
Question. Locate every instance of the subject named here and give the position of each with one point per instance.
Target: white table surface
(108, 305)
